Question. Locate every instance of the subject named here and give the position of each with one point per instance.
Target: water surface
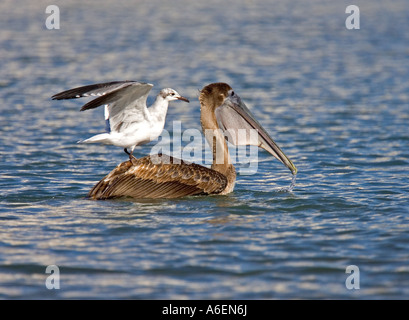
(335, 100)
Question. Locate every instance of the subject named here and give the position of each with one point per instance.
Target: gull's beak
(182, 98)
(233, 114)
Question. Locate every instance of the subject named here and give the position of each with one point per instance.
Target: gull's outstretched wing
(93, 90)
(158, 176)
(126, 100)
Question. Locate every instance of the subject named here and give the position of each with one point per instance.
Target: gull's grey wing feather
(127, 106)
(93, 90)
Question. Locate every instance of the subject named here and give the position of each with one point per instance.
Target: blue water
(335, 100)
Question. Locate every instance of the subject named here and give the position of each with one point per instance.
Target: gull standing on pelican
(129, 123)
(161, 176)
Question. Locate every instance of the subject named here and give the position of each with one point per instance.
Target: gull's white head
(170, 94)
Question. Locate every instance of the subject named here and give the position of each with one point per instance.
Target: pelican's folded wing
(158, 176)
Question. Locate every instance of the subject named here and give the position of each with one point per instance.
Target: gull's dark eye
(232, 93)
(172, 94)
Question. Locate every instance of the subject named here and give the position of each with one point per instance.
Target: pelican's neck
(215, 137)
(159, 109)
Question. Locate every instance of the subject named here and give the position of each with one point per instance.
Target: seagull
(129, 123)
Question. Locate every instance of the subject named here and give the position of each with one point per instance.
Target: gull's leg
(130, 154)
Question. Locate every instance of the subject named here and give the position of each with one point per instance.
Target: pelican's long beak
(233, 114)
(183, 99)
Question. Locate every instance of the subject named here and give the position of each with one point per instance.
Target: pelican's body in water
(129, 122)
(162, 176)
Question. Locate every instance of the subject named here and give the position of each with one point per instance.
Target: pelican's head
(213, 95)
(169, 94)
(232, 115)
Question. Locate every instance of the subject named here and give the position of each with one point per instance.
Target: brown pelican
(129, 123)
(161, 176)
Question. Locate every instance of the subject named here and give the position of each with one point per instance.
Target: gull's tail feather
(99, 138)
